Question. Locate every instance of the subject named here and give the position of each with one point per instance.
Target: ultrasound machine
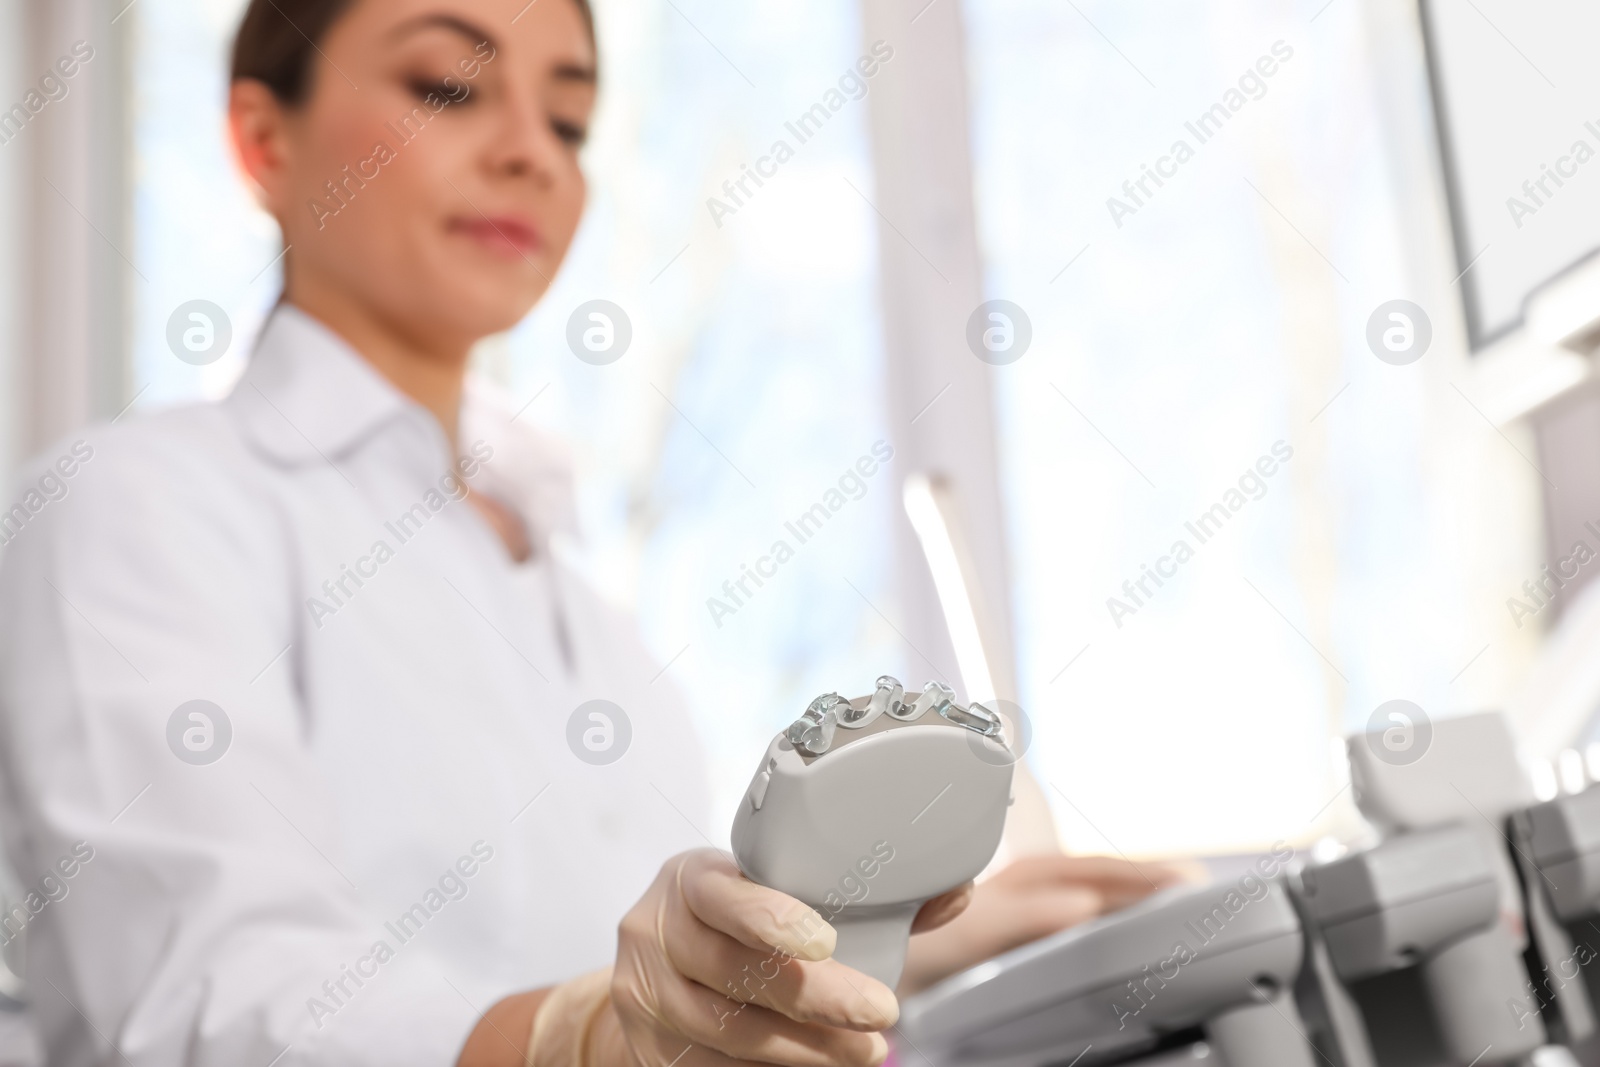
(1467, 936)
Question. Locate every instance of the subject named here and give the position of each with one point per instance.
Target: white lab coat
(384, 743)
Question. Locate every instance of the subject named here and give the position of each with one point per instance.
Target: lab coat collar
(308, 397)
(530, 471)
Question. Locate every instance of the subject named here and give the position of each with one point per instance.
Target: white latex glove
(711, 969)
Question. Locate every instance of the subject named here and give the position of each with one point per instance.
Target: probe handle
(873, 939)
(1472, 983)
(1268, 1033)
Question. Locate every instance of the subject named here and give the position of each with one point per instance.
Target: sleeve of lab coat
(216, 922)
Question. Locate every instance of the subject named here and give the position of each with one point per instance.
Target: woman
(288, 681)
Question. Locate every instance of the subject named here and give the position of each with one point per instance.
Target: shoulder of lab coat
(149, 584)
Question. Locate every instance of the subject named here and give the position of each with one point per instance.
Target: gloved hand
(712, 968)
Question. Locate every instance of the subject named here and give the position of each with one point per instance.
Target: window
(1184, 325)
(197, 233)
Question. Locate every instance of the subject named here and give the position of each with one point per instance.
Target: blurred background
(1160, 336)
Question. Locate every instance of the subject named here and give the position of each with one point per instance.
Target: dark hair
(277, 39)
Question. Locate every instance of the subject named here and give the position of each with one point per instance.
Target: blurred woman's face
(431, 173)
